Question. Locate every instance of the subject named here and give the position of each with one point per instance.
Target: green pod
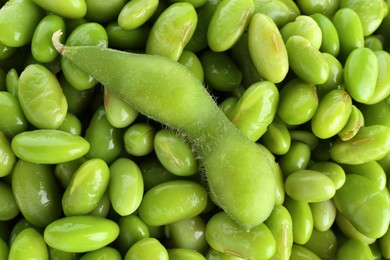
(327, 7)
(324, 214)
(373, 42)
(11, 82)
(132, 229)
(228, 23)
(198, 40)
(172, 201)
(119, 114)
(280, 224)
(333, 112)
(135, 13)
(42, 48)
(91, 34)
(71, 124)
(172, 30)
(277, 138)
(104, 139)
(368, 211)
(147, 248)
(220, 71)
(103, 12)
(384, 244)
(302, 220)
(126, 186)
(372, 170)
(28, 244)
(49, 146)
(309, 186)
(360, 74)
(13, 122)
(191, 61)
(187, 233)
(224, 235)
(18, 21)
(299, 252)
(120, 38)
(298, 102)
(382, 88)
(184, 253)
(370, 13)
(71, 9)
(102, 254)
(267, 49)
(7, 156)
(86, 188)
(153, 172)
(297, 158)
(255, 109)
(330, 43)
(80, 233)
(331, 169)
(36, 192)
(175, 153)
(306, 61)
(35, 82)
(4, 250)
(370, 143)
(354, 123)
(350, 31)
(139, 139)
(353, 249)
(8, 206)
(280, 11)
(349, 231)
(323, 243)
(376, 114)
(306, 27)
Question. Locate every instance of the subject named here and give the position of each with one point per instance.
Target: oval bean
(7, 157)
(147, 248)
(28, 244)
(71, 9)
(132, 229)
(135, 13)
(8, 206)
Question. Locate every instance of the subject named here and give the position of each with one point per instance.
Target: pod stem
(56, 42)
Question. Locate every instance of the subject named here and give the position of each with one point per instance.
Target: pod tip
(56, 42)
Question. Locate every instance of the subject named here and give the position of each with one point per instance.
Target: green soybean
(216, 255)
(103, 207)
(18, 21)
(9, 208)
(7, 156)
(71, 9)
(191, 61)
(136, 12)
(376, 114)
(102, 253)
(80, 233)
(305, 137)
(6, 51)
(384, 243)
(277, 138)
(370, 201)
(373, 42)
(228, 23)
(34, 83)
(28, 244)
(64, 171)
(327, 7)
(126, 186)
(127, 39)
(101, 11)
(299, 252)
(298, 102)
(353, 125)
(349, 231)
(49, 146)
(11, 82)
(147, 248)
(324, 214)
(330, 42)
(119, 114)
(132, 229)
(86, 188)
(370, 143)
(323, 243)
(306, 61)
(331, 169)
(265, 41)
(4, 250)
(36, 192)
(297, 158)
(184, 253)
(224, 235)
(353, 248)
(177, 23)
(71, 124)
(56, 254)
(332, 114)
(382, 88)
(280, 11)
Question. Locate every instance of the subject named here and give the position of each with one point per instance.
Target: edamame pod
(172, 201)
(36, 82)
(49, 146)
(28, 244)
(228, 23)
(267, 49)
(224, 235)
(370, 143)
(18, 21)
(306, 61)
(126, 186)
(36, 192)
(86, 188)
(172, 30)
(71, 9)
(80, 233)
